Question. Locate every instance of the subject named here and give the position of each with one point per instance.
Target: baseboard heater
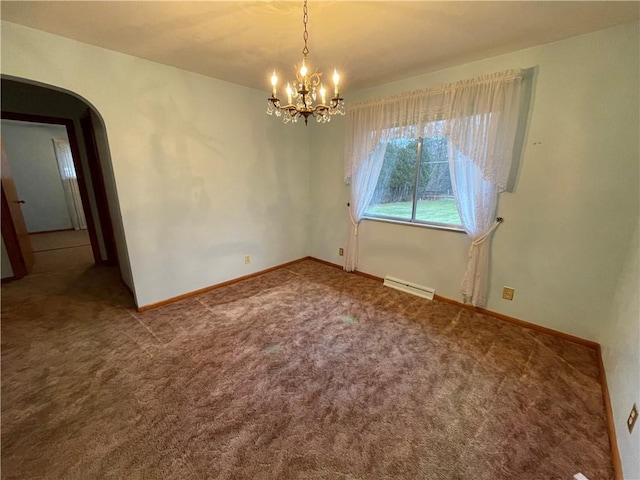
(408, 287)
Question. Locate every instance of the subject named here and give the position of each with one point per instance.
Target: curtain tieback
(353, 221)
(482, 238)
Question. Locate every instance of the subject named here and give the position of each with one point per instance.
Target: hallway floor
(59, 251)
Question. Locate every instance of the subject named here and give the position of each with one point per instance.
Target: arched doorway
(28, 102)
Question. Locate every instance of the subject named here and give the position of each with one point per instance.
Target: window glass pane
(393, 196)
(436, 203)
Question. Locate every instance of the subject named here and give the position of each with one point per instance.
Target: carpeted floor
(306, 372)
(59, 251)
(45, 241)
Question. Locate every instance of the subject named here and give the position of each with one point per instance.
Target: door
(14, 229)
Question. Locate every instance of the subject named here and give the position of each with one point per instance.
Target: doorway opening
(73, 176)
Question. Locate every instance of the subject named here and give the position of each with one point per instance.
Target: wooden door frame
(99, 190)
(82, 186)
(11, 242)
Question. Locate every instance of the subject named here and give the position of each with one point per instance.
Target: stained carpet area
(306, 372)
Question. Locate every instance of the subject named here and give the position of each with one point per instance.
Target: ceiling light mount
(306, 89)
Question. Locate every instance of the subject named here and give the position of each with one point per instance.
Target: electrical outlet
(341, 252)
(507, 293)
(247, 259)
(633, 416)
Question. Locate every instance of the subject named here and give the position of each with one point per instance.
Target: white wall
(620, 341)
(102, 145)
(575, 188)
(568, 221)
(35, 173)
(203, 176)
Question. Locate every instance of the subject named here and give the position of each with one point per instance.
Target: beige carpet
(60, 251)
(303, 373)
(54, 240)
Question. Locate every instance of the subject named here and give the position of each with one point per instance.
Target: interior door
(14, 229)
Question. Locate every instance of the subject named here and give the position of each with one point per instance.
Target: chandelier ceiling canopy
(306, 95)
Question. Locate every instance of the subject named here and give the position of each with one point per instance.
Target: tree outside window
(415, 184)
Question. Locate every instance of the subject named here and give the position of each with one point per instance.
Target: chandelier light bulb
(336, 80)
(303, 70)
(323, 94)
(289, 92)
(274, 82)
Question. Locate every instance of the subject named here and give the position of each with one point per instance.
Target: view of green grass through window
(415, 172)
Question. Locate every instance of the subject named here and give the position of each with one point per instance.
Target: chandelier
(305, 91)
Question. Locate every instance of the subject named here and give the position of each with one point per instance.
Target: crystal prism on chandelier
(303, 93)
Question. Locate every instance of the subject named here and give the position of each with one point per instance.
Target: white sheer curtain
(477, 200)
(481, 127)
(479, 117)
(69, 183)
(408, 115)
(363, 185)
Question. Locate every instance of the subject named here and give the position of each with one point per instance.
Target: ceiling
(369, 42)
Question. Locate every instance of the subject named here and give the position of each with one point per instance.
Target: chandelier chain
(305, 35)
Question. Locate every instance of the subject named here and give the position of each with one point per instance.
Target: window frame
(413, 221)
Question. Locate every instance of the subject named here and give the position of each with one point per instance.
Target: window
(415, 185)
